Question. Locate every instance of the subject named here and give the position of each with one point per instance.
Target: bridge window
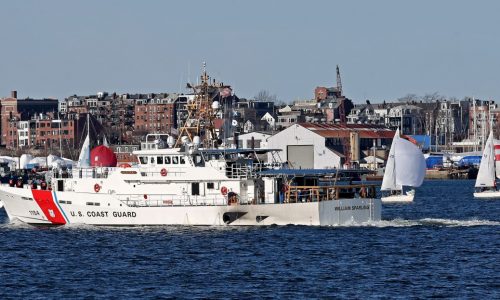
(183, 161)
(167, 160)
(143, 160)
(159, 160)
(175, 160)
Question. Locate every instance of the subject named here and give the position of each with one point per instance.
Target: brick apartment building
(14, 110)
(154, 116)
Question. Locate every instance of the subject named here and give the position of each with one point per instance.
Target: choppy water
(445, 245)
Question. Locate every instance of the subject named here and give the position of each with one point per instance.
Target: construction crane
(346, 141)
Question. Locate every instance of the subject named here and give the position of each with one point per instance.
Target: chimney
(13, 94)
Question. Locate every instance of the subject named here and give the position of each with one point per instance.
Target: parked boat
(486, 186)
(405, 168)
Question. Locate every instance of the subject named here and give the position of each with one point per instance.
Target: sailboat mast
(474, 122)
(88, 134)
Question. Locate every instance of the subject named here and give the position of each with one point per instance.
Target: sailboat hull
(398, 199)
(486, 195)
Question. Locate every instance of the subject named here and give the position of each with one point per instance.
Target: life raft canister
(223, 190)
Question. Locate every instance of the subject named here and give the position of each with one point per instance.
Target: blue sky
(385, 49)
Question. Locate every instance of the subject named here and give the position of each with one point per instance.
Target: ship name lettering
(358, 207)
(124, 214)
(343, 208)
(73, 214)
(102, 214)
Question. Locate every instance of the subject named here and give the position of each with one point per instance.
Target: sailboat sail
(389, 180)
(410, 164)
(405, 165)
(84, 158)
(486, 174)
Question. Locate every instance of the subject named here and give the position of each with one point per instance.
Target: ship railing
(160, 200)
(94, 172)
(157, 172)
(244, 170)
(295, 194)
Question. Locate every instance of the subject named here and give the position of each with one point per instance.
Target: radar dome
(102, 156)
(196, 141)
(170, 141)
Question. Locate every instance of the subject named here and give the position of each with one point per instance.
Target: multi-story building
(154, 116)
(116, 113)
(258, 113)
(55, 133)
(13, 110)
(406, 117)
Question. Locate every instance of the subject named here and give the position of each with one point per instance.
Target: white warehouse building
(322, 146)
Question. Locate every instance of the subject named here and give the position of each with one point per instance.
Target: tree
(264, 95)
(434, 97)
(409, 98)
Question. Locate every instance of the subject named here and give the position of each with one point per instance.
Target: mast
(474, 122)
(202, 111)
(88, 134)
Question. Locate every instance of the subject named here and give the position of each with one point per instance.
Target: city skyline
(385, 50)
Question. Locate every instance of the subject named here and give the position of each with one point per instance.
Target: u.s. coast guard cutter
(195, 182)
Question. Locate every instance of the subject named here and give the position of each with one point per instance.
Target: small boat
(486, 186)
(405, 168)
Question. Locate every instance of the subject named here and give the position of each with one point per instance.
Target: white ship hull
(60, 208)
(398, 199)
(487, 195)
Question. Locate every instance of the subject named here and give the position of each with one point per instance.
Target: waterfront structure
(320, 146)
(250, 140)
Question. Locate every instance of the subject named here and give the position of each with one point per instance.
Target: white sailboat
(405, 167)
(84, 158)
(486, 177)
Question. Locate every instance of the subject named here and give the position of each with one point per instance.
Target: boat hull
(487, 195)
(408, 198)
(60, 208)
